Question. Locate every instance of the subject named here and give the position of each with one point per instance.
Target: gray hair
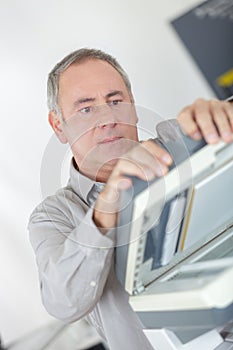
(79, 56)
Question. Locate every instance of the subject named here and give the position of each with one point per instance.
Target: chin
(115, 151)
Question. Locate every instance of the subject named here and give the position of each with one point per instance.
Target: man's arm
(73, 257)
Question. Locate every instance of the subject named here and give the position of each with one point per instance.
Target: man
(91, 106)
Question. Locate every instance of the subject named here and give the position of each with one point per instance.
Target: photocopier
(174, 251)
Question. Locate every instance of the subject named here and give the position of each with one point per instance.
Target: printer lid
(162, 222)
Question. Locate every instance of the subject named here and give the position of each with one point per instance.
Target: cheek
(75, 132)
(127, 114)
(129, 123)
(129, 131)
(82, 143)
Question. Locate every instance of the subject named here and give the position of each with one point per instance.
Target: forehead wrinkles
(90, 73)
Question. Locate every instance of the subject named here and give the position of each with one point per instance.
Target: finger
(118, 179)
(145, 169)
(228, 107)
(157, 152)
(188, 124)
(205, 122)
(221, 120)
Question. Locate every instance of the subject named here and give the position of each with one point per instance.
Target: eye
(85, 110)
(115, 102)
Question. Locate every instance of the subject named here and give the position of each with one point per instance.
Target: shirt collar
(80, 183)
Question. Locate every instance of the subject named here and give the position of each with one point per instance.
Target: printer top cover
(163, 221)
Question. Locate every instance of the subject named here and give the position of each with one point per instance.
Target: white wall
(34, 36)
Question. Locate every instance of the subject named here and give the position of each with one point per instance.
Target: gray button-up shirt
(75, 263)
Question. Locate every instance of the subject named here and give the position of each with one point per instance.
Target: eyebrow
(92, 99)
(114, 93)
(83, 100)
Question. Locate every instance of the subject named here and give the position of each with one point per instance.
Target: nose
(105, 117)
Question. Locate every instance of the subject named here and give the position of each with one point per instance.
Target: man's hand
(145, 161)
(209, 119)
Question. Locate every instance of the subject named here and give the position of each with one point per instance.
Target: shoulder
(61, 206)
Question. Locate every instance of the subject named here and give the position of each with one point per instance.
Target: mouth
(109, 140)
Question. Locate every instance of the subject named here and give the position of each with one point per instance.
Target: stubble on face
(101, 157)
(96, 143)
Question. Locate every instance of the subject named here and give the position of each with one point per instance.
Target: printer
(174, 249)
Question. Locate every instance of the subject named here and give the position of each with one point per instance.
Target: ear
(56, 124)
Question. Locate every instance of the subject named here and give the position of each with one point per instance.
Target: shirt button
(93, 284)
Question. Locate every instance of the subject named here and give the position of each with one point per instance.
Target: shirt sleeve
(73, 257)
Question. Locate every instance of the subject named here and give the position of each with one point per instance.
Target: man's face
(99, 118)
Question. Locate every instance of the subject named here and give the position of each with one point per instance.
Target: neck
(98, 175)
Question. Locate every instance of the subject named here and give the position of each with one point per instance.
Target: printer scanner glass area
(189, 221)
